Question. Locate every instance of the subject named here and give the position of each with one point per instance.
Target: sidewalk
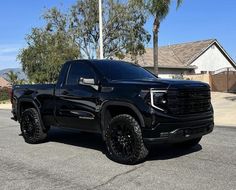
(5, 106)
(224, 105)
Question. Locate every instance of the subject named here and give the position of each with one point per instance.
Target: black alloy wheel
(31, 127)
(124, 140)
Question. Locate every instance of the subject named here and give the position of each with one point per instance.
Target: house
(188, 58)
(4, 83)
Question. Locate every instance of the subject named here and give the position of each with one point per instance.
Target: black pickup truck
(129, 106)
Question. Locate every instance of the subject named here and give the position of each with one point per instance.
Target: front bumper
(172, 130)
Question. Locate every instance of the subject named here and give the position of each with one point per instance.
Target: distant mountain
(15, 70)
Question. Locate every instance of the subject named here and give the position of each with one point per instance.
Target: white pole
(100, 30)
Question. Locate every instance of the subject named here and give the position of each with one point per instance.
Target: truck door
(76, 104)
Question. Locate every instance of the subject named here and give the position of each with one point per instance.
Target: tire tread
(142, 152)
(41, 135)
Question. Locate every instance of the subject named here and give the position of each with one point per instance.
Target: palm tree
(12, 77)
(159, 9)
(21, 81)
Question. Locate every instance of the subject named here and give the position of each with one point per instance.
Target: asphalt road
(72, 160)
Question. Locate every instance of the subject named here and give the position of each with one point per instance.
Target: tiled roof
(174, 56)
(4, 83)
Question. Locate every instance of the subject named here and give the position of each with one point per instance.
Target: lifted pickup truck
(129, 106)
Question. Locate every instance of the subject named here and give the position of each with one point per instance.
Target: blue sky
(194, 20)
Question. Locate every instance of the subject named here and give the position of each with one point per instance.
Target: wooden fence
(220, 81)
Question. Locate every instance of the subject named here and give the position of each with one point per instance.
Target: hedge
(5, 93)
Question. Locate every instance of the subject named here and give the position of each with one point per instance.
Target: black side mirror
(88, 82)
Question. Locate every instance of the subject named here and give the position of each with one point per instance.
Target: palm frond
(179, 2)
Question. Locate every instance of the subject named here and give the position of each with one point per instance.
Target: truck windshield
(119, 70)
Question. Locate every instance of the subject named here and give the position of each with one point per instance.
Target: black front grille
(189, 101)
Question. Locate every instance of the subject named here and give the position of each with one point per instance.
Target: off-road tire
(137, 152)
(31, 127)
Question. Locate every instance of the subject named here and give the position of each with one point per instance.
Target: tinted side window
(78, 70)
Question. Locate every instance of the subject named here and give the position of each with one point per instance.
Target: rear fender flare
(27, 100)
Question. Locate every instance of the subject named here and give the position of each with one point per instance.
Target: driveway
(224, 105)
(72, 160)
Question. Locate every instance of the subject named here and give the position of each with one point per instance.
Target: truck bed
(41, 94)
(28, 89)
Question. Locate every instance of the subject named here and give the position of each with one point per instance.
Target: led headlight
(159, 99)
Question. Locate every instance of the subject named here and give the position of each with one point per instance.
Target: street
(73, 160)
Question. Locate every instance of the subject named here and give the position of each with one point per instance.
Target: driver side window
(77, 71)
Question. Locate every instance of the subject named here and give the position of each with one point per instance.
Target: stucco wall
(199, 77)
(211, 60)
(169, 73)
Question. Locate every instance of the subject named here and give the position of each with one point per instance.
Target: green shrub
(5, 94)
(178, 77)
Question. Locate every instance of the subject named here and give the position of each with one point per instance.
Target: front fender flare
(123, 104)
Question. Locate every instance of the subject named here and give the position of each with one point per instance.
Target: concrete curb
(225, 125)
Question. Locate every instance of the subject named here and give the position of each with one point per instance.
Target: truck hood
(163, 83)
